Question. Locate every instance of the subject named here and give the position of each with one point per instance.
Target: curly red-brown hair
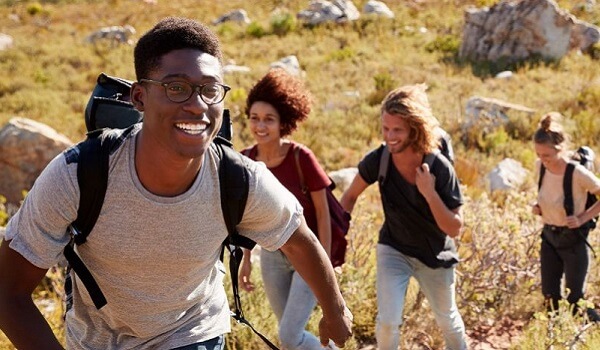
(286, 93)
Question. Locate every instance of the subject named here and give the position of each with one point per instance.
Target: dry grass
(50, 72)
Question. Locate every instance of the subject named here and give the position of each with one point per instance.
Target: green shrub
(446, 44)
(256, 30)
(283, 23)
(35, 8)
(342, 54)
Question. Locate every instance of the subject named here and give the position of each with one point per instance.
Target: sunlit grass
(50, 72)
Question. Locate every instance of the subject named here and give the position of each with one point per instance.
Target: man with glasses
(155, 248)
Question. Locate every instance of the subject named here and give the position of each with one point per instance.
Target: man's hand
(337, 328)
(425, 181)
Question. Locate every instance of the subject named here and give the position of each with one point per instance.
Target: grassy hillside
(49, 73)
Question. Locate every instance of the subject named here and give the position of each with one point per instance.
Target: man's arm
(350, 196)
(319, 199)
(20, 319)
(310, 260)
(449, 221)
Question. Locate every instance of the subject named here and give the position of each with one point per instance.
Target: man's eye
(178, 87)
(210, 90)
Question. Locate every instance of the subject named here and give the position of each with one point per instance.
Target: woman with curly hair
(275, 106)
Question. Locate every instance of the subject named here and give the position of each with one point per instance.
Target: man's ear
(138, 95)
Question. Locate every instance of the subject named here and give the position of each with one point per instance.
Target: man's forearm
(24, 325)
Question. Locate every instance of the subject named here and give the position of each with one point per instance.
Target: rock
(321, 11)
(290, 64)
(508, 174)
(377, 8)
(6, 41)
(238, 16)
(493, 110)
(504, 75)
(343, 177)
(26, 147)
(519, 30)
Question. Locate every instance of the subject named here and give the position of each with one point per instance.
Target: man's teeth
(192, 129)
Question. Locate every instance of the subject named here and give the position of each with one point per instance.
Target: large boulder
(26, 147)
(519, 30)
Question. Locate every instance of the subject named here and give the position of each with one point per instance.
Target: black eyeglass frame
(195, 88)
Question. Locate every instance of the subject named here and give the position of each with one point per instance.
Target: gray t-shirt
(155, 258)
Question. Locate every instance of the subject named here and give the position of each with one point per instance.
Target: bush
(256, 30)
(384, 83)
(35, 8)
(283, 23)
(446, 44)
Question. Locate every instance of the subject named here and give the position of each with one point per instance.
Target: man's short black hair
(172, 33)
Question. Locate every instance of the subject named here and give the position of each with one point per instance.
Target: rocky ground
(498, 336)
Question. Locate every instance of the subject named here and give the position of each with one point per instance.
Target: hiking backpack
(445, 145)
(109, 107)
(585, 156)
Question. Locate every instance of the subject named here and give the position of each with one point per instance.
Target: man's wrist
(339, 310)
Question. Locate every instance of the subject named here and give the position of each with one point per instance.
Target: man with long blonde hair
(421, 202)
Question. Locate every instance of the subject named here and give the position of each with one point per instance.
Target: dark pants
(217, 343)
(563, 251)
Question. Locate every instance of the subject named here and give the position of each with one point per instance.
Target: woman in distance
(564, 235)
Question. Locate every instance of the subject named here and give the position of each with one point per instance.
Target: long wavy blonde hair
(410, 103)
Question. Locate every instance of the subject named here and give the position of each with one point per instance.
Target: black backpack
(109, 107)
(445, 146)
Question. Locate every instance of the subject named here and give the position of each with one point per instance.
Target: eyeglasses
(180, 91)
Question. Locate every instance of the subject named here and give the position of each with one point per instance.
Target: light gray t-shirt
(156, 259)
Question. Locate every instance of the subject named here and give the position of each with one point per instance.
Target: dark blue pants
(217, 343)
(563, 251)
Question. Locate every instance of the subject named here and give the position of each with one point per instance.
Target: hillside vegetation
(50, 71)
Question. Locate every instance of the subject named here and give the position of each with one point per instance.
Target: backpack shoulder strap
(430, 158)
(384, 163)
(234, 186)
(92, 179)
(568, 189)
(542, 173)
(299, 170)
